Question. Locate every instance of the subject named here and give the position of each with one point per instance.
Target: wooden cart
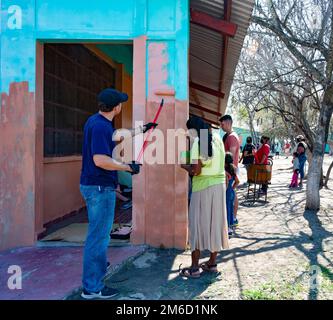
(258, 174)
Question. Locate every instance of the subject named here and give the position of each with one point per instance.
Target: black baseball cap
(226, 117)
(111, 97)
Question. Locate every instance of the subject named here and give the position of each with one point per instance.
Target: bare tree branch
(292, 48)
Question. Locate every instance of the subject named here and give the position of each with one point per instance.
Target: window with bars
(73, 76)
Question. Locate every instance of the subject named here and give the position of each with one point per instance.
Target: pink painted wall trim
(160, 191)
(138, 235)
(17, 166)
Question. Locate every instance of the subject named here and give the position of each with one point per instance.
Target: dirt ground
(280, 251)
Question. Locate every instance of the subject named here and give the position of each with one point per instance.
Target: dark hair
(300, 138)
(226, 117)
(295, 154)
(229, 164)
(264, 138)
(198, 124)
(104, 108)
(249, 140)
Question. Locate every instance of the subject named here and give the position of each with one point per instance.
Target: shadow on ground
(276, 241)
(155, 275)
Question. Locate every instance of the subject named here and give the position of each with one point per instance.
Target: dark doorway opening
(73, 76)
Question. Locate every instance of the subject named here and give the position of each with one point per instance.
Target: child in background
(301, 149)
(232, 182)
(296, 166)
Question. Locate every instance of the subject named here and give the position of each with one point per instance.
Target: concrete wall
(17, 127)
(160, 32)
(61, 187)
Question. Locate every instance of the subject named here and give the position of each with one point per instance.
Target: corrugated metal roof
(206, 49)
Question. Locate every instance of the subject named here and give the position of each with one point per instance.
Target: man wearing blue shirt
(98, 183)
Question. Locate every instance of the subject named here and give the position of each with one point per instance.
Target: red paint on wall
(17, 166)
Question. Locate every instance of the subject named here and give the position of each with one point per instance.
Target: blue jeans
(302, 159)
(100, 203)
(230, 199)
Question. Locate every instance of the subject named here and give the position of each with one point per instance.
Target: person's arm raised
(121, 134)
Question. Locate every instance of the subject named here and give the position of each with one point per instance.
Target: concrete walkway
(52, 273)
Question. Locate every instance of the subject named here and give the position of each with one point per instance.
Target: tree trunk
(313, 183)
(328, 174)
(316, 165)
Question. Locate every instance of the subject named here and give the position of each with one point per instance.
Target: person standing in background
(208, 225)
(301, 150)
(286, 149)
(261, 157)
(231, 144)
(232, 182)
(294, 179)
(248, 153)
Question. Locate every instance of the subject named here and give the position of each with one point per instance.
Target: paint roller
(145, 143)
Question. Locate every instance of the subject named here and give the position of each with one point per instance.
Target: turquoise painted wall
(120, 53)
(243, 134)
(88, 21)
(18, 43)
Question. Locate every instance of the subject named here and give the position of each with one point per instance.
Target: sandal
(190, 272)
(209, 267)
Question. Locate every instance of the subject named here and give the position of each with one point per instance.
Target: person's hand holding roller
(135, 167)
(149, 125)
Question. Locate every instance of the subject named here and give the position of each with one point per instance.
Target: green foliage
(257, 295)
(293, 290)
(272, 125)
(276, 291)
(327, 279)
(242, 113)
